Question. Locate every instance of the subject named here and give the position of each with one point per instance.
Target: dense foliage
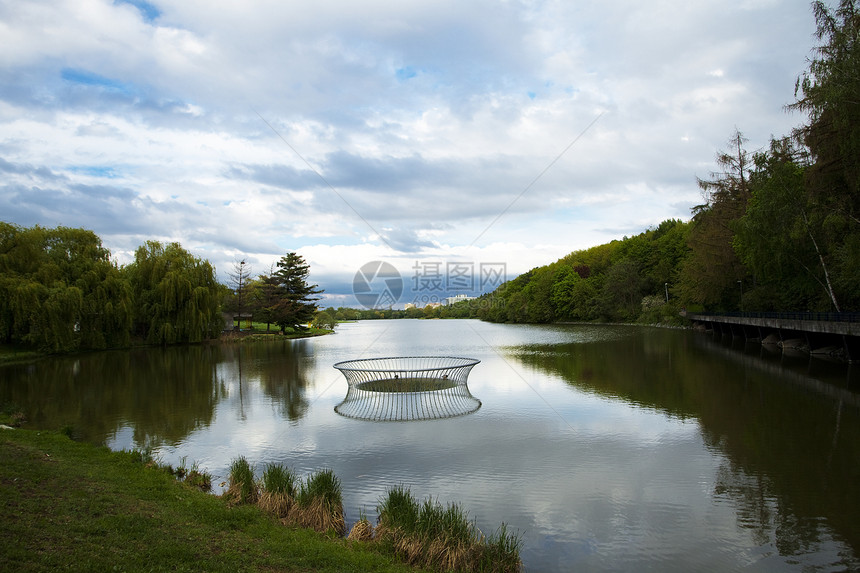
(60, 292)
(779, 228)
(620, 281)
(284, 296)
(177, 296)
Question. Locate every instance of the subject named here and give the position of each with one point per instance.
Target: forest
(60, 292)
(778, 230)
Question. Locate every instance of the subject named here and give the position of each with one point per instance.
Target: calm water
(608, 448)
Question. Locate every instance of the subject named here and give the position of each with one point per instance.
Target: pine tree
(295, 303)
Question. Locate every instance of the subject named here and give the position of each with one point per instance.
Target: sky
(447, 145)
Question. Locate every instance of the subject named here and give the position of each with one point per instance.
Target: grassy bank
(259, 332)
(10, 354)
(68, 505)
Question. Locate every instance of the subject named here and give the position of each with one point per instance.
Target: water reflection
(377, 406)
(280, 370)
(610, 448)
(791, 456)
(163, 395)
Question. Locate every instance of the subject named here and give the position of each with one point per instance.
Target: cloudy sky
(433, 136)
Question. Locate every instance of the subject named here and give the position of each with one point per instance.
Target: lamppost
(666, 286)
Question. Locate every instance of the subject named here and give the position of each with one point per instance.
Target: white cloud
(265, 126)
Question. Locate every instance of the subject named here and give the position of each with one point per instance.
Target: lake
(609, 448)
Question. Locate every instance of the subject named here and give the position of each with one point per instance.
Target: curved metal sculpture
(407, 388)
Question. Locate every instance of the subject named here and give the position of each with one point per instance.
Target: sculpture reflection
(407, 388)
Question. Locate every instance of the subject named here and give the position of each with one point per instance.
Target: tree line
(778, 230)
(60, 292)
(331, 315)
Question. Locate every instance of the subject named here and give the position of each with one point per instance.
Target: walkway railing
(817, 316)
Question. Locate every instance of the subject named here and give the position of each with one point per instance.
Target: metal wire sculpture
(407, 388)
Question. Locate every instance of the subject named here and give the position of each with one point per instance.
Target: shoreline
(68, 502)
(16, 355)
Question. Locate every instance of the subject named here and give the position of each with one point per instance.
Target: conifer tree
(295, 303)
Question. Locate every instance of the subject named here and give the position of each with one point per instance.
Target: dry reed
(317, 515)
(278, 504)
(361, 531)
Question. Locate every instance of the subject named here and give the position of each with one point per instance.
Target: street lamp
(666, 286)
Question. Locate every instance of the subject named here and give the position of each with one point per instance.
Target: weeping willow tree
(177, 295)
(59, 290)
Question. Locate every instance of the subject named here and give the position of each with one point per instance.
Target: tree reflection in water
(161, 394)
(790, 440)
(280, 369)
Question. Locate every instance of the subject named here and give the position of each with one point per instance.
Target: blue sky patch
(147, 10)
(406, 73)
(95, 171)
(87, 78)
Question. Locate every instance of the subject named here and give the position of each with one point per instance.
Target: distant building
(408, 305)
(457, 298)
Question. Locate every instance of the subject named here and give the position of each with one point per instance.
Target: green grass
(74, 506)
(243, 487)
(278, 490)
(322, 485)
(319, 503)
(259, 334)
(279, 479)
(399, 510)
(443, 538)
(407, 384)
(501, 551)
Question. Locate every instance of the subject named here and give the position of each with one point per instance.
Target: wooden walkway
(834, 334)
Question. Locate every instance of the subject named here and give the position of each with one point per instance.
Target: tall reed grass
(442, 538)
(319, 503)
(278, 489)
(399, 510)
(501, 552)
(242, 486)
(426, 534)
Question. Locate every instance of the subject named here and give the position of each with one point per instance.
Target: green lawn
(259, 328)
(69, 505)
